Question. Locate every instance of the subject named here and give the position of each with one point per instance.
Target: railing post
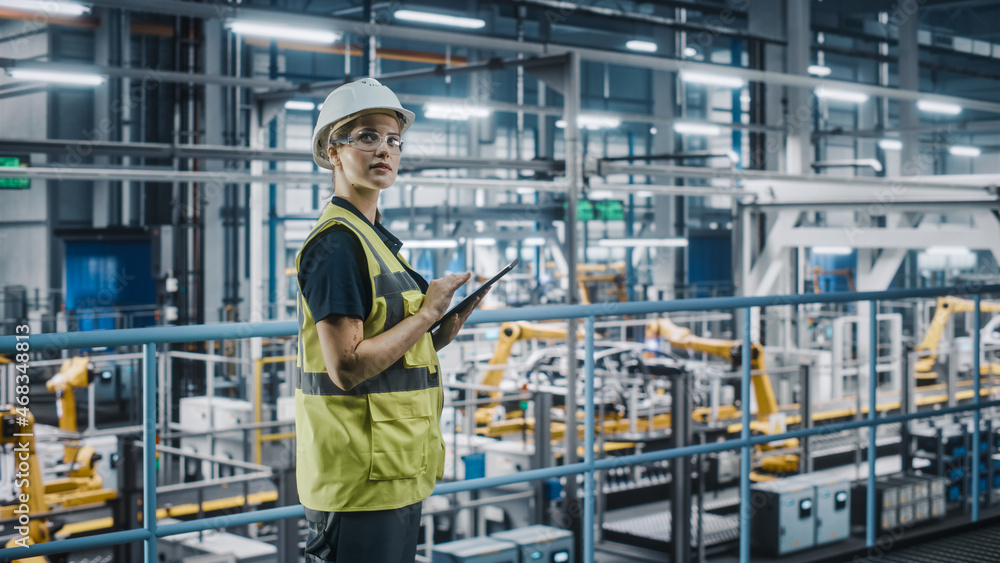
(976, 415)
(149, 449)
(872, 412)
(588, 442)
(745, 440)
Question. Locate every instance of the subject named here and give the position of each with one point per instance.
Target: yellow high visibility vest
(377, 446)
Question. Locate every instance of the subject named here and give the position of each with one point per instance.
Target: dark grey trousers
(381, 536)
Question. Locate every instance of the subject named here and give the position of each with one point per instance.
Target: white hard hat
(352, 100)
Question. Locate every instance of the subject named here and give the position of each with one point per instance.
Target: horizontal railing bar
(854, 424)
(224, 481)
(227, 521)
(160, 335)
(229, 331)
(75, 544)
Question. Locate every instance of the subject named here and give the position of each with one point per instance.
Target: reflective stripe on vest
(378, 445)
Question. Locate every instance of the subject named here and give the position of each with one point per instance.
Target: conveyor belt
(981, 545)
(655, 529)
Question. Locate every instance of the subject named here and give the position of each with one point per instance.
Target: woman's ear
(331, 154)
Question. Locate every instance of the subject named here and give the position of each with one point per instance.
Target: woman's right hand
(439, 294)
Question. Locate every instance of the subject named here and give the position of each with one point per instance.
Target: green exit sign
(12, 183)
(599, 210)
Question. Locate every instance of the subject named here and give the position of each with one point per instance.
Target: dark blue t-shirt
(333, 270)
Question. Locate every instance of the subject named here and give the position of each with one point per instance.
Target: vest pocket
(400, 431)
(422, 353)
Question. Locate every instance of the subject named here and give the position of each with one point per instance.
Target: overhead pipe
(872, 163)
(80, 148)
(966, 182)
(979, 183)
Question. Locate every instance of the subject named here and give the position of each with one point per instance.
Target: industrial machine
(202, 414)
(510, 333)
(800, 512)
(17, 430)
(901, 500)
(769, 416)
(785, 518)
(927, 368)
(477, 550)
(818, 271)
(195, 547)
(75, 373)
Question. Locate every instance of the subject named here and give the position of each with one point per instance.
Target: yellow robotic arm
(945, 307)
(74, 374)
(731, 350)
(520, 330)
(17, 428)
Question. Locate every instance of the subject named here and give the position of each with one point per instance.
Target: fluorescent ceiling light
(643, 193)
(526, 191)
(48, 7)
(949, 250)
(484, 241)
(592, 122)
(690, 52)
(431, 243)
(440, 19)
(271, 31)
(644, 243)
(944, 108)
(964, 151)
(56, 76)
(644, 46)
(832, 250)
(688, 128)
(841, 95)
(533, 241)
(454, 112)
(890, 144)
(299, 105)
(712, 79)
(819, 70)
(601, 194)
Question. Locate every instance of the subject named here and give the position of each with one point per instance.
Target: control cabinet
(784, 520)
(543, 544)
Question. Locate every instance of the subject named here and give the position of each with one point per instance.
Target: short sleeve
(333, 275)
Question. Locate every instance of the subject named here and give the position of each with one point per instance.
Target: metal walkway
(981, 545)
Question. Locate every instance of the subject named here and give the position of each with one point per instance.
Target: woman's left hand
(450, 326)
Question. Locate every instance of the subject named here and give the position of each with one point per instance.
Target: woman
(368, 399)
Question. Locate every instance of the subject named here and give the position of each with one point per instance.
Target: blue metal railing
(149, 337)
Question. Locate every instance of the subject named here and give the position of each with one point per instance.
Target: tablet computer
(479, 291)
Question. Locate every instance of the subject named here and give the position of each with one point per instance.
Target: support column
(909, 79)
(103, 213)
(255, 228)
(573, 174)
(662, 265)
(214, 193)
(799, 111)
(680, 498)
